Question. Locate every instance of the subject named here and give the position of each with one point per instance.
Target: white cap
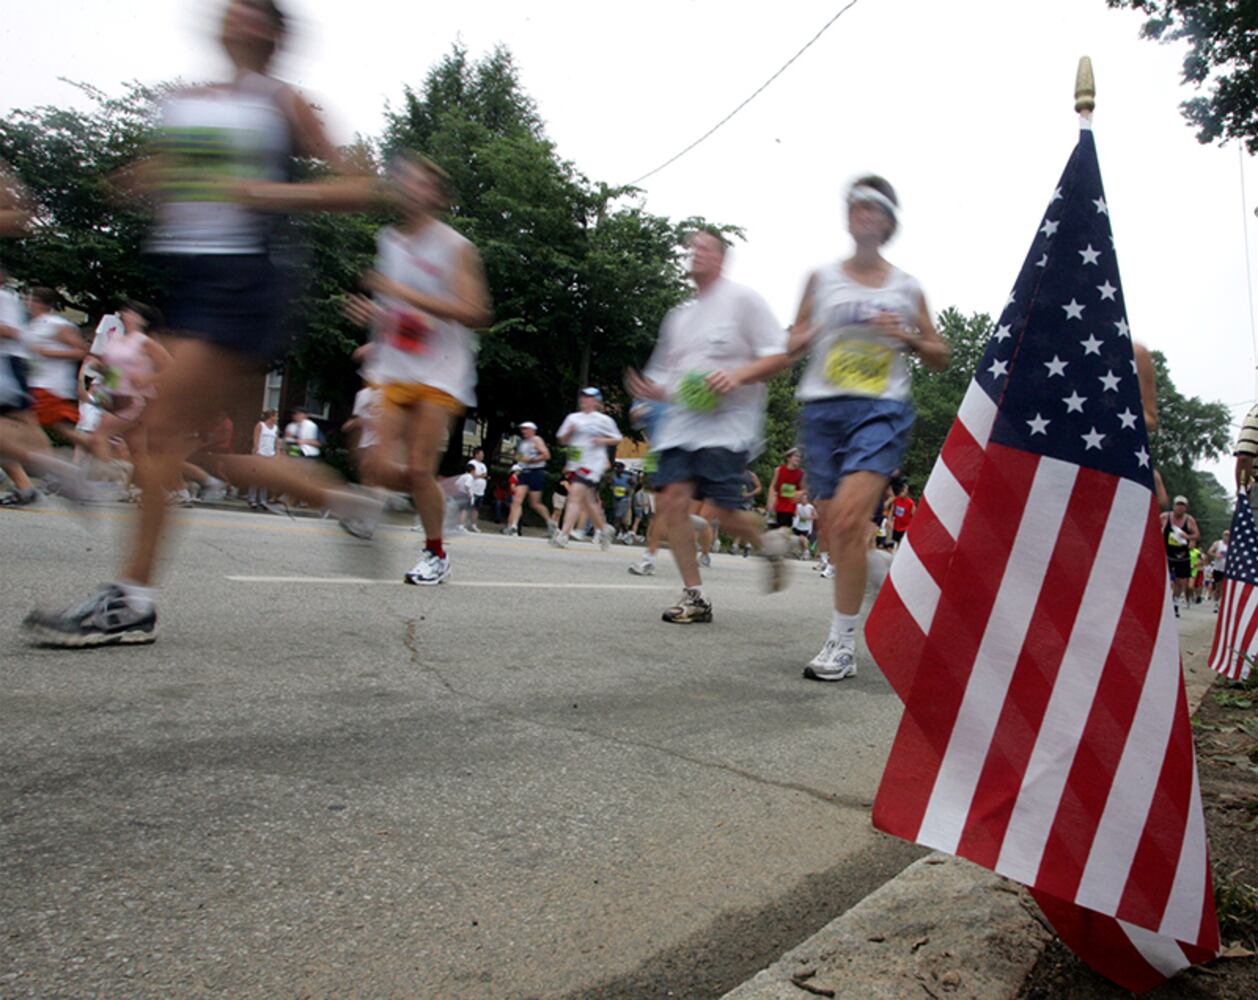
(1180, 499)
(528, 423)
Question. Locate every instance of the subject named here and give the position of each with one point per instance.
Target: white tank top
(416, 348)
(848, 356)
(528, 454)
(213, 135)
(266, 438)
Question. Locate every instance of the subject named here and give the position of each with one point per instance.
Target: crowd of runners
(144, 405)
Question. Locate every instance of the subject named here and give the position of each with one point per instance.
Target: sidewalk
(943, 927)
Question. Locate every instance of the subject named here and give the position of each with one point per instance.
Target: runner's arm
(73, 350)
(1146, 376)
(470, 305)
(802, 330)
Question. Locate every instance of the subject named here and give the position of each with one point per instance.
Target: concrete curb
(943, 927)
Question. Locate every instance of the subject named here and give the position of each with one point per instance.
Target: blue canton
(1060, 365)
(1242, 548)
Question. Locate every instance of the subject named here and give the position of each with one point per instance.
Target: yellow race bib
(860, 366)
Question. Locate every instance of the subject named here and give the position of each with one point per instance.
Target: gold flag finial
(1085, 87)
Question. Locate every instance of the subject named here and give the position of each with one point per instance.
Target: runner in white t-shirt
(430, 295)
(713, 356)
(15, 399)
(801, 525)
(587, 433)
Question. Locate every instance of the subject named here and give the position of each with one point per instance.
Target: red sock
(434, 546)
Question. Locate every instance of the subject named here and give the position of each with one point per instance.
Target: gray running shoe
(104, 619)
(836, 661)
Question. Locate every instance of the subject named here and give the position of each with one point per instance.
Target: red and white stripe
(1236, 636)
(1045, 733)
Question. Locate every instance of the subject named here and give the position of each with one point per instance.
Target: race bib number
(859, 366)
(786, 490)
(408, 331)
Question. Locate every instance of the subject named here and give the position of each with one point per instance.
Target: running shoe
(705, 559)
(431, 570)
(828, 572)
(20, 498)
(357, 513)
(473, 530)
(836, 661)
(559, 539)
(104, 619)
(552, 529)
(605, 538)
(690, 610)
(773, 547)
(644, 568)
(213, 491)
(511, 530)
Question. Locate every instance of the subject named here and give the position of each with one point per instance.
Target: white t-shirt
(367, 410)
(465, 486)
(1220, 556)
(109, 327)
(56, 375)
(306, 429)
(590, 461)
(725, 328)
(12, 315)
(849, 356)
(482, 472)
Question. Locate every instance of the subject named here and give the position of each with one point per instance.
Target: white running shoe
(559, 539)
(828, 572)
(705, 560)
(473, 530)
(836, 661)
(358, 513)
(429, 571)
(605, 538)
(213, 491)
(644, 568)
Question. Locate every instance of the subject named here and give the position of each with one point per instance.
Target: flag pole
(1085, 89)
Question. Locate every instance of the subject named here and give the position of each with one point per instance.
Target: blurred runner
(587, 433)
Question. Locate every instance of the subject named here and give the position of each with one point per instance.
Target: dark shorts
(801, 532)
(718, 474)
(897, 535)
(783, 518)
(1181, 569)
(853, 434)
(234, 301)
(620, 508)
(14, 395)
(534, 479)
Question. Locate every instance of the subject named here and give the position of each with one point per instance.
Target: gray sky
(966, 107)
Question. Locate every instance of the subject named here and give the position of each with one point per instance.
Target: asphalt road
(518, 784)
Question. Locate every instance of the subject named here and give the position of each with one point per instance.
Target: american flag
(1027, 626)
(1236, 634)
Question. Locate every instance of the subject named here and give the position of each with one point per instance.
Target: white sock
(649, 557)
(843, 627)
(696, 591)
(140, 598)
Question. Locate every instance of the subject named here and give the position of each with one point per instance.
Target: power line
(673, 159)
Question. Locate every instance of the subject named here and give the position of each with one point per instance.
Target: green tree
(581, 274)
(84, 240)
(1222, 38)
(937, 395)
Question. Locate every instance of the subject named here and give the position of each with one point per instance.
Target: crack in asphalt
(832, 799)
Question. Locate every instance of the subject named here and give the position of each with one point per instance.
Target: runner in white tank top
(429, 295)
(221, 172)
(858, 321)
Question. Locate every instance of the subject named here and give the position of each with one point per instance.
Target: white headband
(863, 192)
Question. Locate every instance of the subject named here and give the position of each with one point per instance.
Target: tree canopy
(1222, 61)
